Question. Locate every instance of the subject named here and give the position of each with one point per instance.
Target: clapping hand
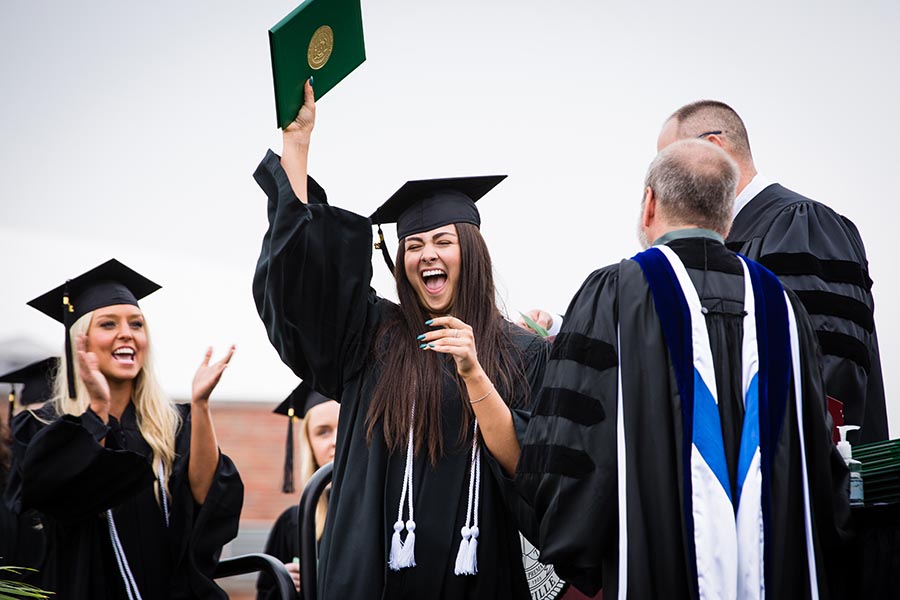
(93, 379)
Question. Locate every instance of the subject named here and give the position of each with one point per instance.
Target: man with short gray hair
(692, 187)
(816, 252)
(671, 451)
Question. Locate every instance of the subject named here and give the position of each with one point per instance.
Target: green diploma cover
(319, 38)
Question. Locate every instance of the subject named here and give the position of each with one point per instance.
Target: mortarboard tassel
(12, 403)
(68, 309)
(288, 484)
(380, 245)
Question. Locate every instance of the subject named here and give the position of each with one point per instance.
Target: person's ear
(649, 213)
(717, 140)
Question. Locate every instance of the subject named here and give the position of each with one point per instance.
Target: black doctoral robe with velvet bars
(62, 471)
(312, 290)
(568, 466)
(819, 254)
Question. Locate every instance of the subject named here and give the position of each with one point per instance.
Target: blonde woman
(135, 498)
(318, 435)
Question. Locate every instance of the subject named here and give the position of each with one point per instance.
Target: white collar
(756, 185)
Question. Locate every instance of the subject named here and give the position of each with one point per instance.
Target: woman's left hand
(207, 376)
(455, 338)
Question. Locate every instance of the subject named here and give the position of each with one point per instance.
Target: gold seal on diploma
(320, 46)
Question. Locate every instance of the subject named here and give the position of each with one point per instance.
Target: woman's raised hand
(93, 379)
(301, 127)
(207, 376)
(295, 142)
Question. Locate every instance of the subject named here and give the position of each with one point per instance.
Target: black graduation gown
(283, 544)
(62, 471)
(312, 290)
(568, 466)
(21, 539)
(819, 254)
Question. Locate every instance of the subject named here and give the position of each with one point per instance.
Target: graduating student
(21, 536)
(135, 497)
(816, 252)
(680, 446)
(434, 391)
(318, 434)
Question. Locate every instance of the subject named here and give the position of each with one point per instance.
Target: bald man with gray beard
(679, 447)
(816, 252)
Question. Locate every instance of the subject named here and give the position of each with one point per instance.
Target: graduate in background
(434, 391)
(681, 446)
(318, 434)
(21, 535)
(816, 252)
(135, 497)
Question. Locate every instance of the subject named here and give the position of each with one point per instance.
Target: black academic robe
(819, 254)
(21, 540)
(312, 290)
(568, 466)
(62, 471)
(283, 544)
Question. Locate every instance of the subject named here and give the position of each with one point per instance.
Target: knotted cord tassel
(470, 562)
(460, 568)
(396, 547)
(408, 551)
(466, 559)
(402, 553)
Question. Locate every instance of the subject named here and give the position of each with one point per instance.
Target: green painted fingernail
(429, 321)
(421, 337)
(431, 345)
(422, 346)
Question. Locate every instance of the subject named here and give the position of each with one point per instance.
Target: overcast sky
(131, 130)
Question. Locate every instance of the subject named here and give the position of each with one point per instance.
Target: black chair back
(252, 563)
(308, 543)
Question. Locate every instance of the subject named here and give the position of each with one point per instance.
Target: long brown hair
(409, 373)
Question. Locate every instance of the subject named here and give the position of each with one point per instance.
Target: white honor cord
(467, 557)
(124, 569)
(119, 551)
(162, 492)
(403, 552)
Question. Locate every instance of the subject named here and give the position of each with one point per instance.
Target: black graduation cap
(106, 285)
(37, 381)
(426, 204)
(294, 406)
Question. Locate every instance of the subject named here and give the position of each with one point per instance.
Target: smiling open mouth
(124, 355)
(435, 280)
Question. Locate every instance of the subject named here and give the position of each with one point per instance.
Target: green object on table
(322, 39)
(534, 326)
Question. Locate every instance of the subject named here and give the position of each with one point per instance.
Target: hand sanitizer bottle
(857, 497)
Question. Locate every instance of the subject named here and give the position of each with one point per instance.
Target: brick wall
(253, 437)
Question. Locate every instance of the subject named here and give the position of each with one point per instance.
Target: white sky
(131, 131)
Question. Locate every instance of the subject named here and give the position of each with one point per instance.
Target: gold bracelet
(490, 391)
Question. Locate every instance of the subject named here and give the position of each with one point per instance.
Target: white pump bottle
(857, 497)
